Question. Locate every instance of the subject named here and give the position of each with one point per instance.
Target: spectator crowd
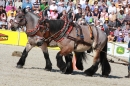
(111, 16)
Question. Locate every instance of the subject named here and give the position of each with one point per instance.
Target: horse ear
(24, 11)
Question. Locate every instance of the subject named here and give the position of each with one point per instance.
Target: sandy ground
(33, 73)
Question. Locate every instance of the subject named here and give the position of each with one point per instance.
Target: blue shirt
(24, 5)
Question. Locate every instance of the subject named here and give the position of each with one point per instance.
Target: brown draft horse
(34, 33)
(72, 37)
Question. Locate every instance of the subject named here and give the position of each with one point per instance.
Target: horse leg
(106, 69)
(48, 66)
(21, 61)
(90, 71)
(79, 56)
(68, 59)
(60, 63)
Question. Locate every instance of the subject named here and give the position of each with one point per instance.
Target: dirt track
(33, 73)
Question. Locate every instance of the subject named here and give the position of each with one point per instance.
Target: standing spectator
(27, 4)
(18, 4)
(2, 3)
(127, 34)
(9, 7)
(36, 6)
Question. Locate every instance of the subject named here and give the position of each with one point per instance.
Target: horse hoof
(19, 66)
(88, 72)
(48, 68)
(105, 76)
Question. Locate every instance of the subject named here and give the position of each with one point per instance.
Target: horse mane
(55, 25)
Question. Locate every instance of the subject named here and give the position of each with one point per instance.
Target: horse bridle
(18, 22)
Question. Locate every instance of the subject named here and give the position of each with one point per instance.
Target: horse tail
(80, 56)
(106, 69)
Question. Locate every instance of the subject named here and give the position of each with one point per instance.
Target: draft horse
(34, 34)
(72, 37)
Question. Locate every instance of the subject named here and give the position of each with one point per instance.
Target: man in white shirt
(53, 6)
(18, 4)
(61, 7)
(112, 8)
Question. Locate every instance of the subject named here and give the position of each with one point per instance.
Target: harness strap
(91, 32)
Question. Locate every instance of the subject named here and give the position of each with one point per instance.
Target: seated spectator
(2, 10)
(117, 31)
(78, 15)
(9, 7)
(120, 38)
(2, 3)
(9, 24)
(119, 8)
(95, 13)
(126, 29)
(11, 17)
(127, 38)
(61, 7)
(111, 37)
(121, 17)
(81, 21)
(87, 9)
(3, 16)
(103, 16)
(27, 4)
(106, 27)
(54, 14)
(89, 18)
(11, 11)
(112, 19)
(28, 8)
(127, 17)
(4, 26)
(70, 7)
(8, 1)
(36, 6)
(101, 27)
(53, 6)
(43, 5)
(112, 8)
(18, 4)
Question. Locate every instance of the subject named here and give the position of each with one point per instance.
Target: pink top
(53, 15)
(8, 8)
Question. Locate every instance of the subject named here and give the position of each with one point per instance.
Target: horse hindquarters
(106, 69)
